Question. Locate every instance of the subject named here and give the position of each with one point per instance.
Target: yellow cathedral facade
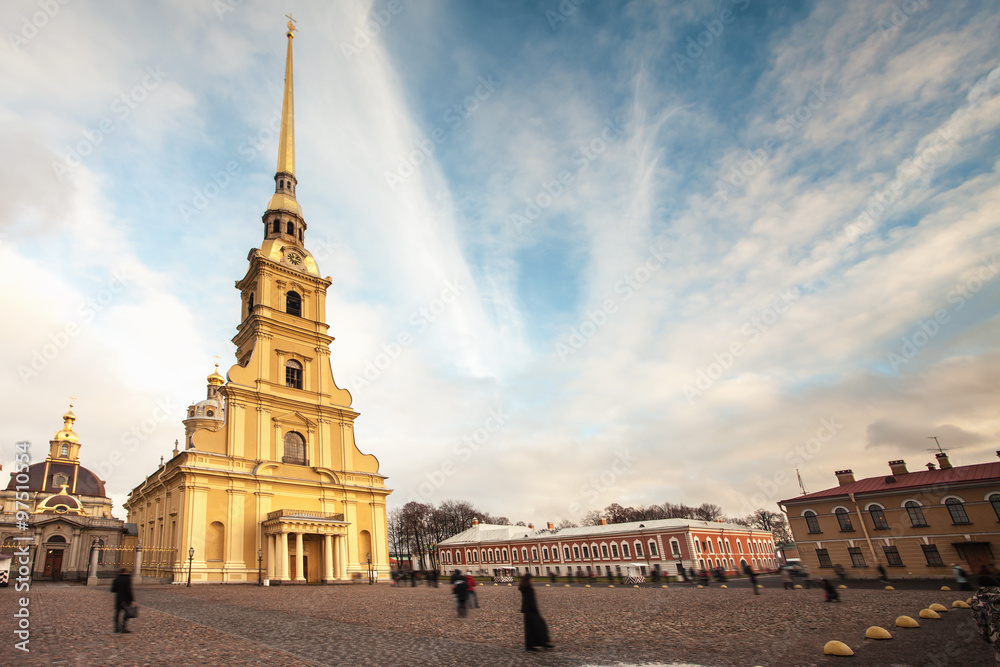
(270, 481)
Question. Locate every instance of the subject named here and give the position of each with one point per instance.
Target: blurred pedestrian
(961, 578)
(460, 589)
(786, 578)
(831, 593)
(883, 576)
(841, 573)
(536, 632)
(124, 599)
(747, 570)
(470, 583)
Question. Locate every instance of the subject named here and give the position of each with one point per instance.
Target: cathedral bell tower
(270, 472)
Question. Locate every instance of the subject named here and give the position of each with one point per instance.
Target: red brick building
(662, 546)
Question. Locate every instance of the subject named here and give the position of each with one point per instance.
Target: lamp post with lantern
(260, 559)
(190, 561)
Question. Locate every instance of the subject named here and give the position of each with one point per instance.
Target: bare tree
(708, 512)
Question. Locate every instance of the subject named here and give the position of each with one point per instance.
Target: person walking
(460, 589)
(831, 593)
(786, 578)
(122, 588)
(536, 632)
(470, 583)
(883, 576)
(752, 576)
(961, 578)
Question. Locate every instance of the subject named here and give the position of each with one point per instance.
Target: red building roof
(979, 472)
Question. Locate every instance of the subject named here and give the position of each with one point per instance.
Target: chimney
(604, 522)
(931, 466)
(475, 522)
(943, 461)
(898, 467)
(531, 526)
(845, 476)
(551, 525)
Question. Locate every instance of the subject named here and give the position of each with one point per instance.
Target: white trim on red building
(605, 550)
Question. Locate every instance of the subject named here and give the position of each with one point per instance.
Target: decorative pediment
(294, 419)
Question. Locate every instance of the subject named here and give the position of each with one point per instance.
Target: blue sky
(716, 241)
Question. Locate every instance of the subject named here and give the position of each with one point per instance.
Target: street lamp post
(369, 557)
(190, 561)
(260, 559)
(645, 547)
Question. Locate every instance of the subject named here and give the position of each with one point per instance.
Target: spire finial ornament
(291, 25)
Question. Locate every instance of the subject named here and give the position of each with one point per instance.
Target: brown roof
(979, 472)
(84, 481)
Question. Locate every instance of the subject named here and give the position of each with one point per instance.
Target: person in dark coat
(536, 632)
(461, 590)
(831, 593)
(747, 570)
(122, 588)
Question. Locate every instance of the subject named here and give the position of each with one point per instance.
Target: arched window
(293, 374)
(300, 235)
(845, 520)
(524, 554)
(290, 228)
(505, 555)
(915, 513)
(216, 541)
(811, 521)
(293, 304)
(995, 501)
(675, 548)
(295, 449)
(878, 517)
(250, 304)
(64, 451)
(57, 538)
(614, 547)
(957, 511)
(625, 553)
(274, 227)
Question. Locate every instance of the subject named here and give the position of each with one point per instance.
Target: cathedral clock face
(294, 259)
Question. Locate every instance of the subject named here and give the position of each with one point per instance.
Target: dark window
(845, 520)
(824, 557)
(274, 227)
(614, 547)
(586, 552)
(812, 522)
(857, 558)
(293, 374)
(300, 235)
(290, 228)
(293, 304)
(524, 554)
(638, 549)
(625, 551)
(534, 553)
(957, 511)
(295, 449)
(878, 517)
(931, 554)
(915, 513)
(545, 553)
(576, 553)
(250, 304)
(892, 556)
(652, 548)
(995, 501)
(513, 553)
(604, 550)
(505, 555)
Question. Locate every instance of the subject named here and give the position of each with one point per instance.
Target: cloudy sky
(640, 252)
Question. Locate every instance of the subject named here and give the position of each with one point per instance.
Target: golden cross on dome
(291, 23)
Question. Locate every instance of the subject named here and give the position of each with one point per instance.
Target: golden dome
(67, 433)
(215, 378)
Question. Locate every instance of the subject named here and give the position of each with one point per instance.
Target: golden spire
(286, 143)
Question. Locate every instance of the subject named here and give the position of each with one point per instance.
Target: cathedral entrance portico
(304, 546)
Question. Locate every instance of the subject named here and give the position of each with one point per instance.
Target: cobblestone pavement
(381, 625)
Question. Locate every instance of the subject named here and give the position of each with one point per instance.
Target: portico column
(282, 556)
(328, 557)
(341, 562)
(270, 556)
(299, 574)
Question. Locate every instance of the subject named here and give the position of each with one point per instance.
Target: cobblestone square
(383, 625)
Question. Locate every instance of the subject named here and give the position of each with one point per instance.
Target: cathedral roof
(42, 476)
(61, 503)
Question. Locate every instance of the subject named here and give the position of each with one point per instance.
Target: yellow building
(270, 474)
(912, 523)
(64, 510)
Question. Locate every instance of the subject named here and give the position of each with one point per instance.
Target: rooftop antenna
(802, 487)
(939, 449)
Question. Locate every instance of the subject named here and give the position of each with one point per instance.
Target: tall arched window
(845, 520)
(915, 513)
(274, 227)
(250, 304)
(215, 543)
(878, 517)
(811, 521)
(293, 374)
(293, 304)
(957, 511)
(995, 501)
(295, 449)
(290, 228)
